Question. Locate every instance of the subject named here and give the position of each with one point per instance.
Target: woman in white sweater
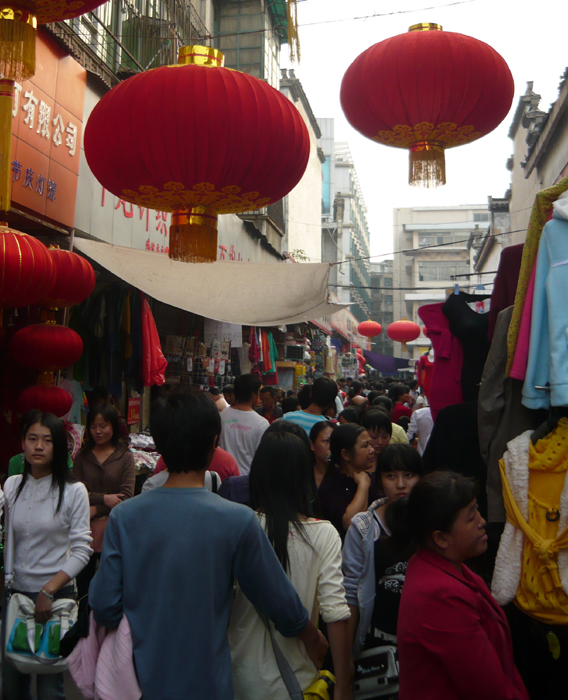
(282, 490)
(48, 512)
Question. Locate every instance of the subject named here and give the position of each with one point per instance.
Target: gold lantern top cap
(425, 27)
(200, 56)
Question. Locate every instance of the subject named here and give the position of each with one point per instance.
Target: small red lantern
(369, 329)
(51, 399)
(26, 269)
(46, 346)
(403, 331)
(221, 142)
(74, 280)
(427, 90)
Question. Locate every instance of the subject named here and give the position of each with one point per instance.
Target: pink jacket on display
(521, 356)
(448, 359)
(454, 641)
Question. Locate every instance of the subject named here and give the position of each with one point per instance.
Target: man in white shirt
(420, 426)
(241, 426)
(217, 396)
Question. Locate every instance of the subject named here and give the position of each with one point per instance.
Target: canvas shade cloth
(255, 294)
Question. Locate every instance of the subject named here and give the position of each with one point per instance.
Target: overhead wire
(346, 19)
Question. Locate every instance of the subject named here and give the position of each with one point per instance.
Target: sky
(529, 38)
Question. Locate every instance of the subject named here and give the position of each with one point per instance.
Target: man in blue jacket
(169, 561)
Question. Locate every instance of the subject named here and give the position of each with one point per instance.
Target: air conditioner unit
(295, 353)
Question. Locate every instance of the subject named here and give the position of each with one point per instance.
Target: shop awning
(255, 294)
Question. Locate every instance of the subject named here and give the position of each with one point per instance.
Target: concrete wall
(303, 203)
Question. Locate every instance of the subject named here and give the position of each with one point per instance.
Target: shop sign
(47, 123)
(133, 411)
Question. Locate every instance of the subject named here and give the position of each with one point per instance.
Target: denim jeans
(16, 685)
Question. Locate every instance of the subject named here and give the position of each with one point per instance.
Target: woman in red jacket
(454, 641)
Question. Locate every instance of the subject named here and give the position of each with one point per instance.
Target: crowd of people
(303, 523)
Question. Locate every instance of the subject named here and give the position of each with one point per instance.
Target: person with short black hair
(269, 409)
(290, 403)
(320, 436)
(349, 415)
(242, 426)
(169, 562)
(218, 397)
(323, 393)
(400, 395)
(383, 403)
(454, 641)
(373, 563)
(347, 488)
(379, 426)
(229, 394)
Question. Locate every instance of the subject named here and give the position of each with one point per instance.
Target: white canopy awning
(255, 294)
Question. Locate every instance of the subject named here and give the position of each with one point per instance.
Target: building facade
(382, 305)
(434, 251)
(345, 230)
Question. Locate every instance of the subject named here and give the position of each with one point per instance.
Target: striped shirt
(305, 420)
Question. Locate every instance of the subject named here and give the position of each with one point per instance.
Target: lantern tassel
(6, 106)
(18, 29)
(293, 36)
(427, 165)
(193, 235)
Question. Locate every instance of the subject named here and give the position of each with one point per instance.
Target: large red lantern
(51, 399)
(46, 346)
(403, 331)
(427, 90)
(18, 29)
(369, 329)
(26, 269)
(74, 280)
(220, 142)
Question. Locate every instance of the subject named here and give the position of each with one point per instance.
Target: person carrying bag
(47, 545)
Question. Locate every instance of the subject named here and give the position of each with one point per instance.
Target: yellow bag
(322, 688)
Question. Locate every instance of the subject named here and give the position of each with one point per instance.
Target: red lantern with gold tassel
(403, 331)
(74, 280)
(369, 329)
(427, 90)
(51, 399)
(46, 346)
(221, 142)
(18, 29)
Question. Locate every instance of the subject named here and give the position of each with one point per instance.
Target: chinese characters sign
(47, 121)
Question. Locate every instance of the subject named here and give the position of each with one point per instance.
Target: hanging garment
(424, 373)
(532, 561)
(153, 361)
(501, 415)
(505, 283)
(454, 445)
(446, 378)
(471, 329)
(521, 354)
(540, 214)
(548, 350)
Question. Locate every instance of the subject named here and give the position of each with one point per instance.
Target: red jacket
(454, 641)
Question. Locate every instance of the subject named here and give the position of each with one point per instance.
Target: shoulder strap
(9, 543)
(288, 675)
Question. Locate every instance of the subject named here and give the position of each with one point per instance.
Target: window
(481, 216)
(440, 271)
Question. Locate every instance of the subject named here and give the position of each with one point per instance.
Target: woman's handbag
(30, 646)
(376, 673)
(321, 689)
